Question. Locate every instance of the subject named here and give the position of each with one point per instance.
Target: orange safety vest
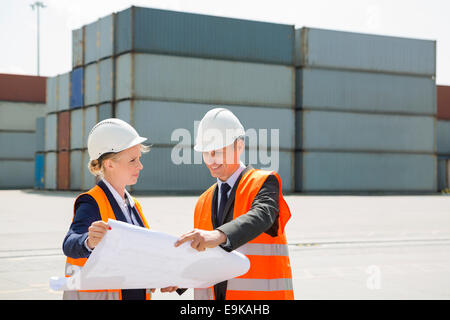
(106, 212)
(270, 275)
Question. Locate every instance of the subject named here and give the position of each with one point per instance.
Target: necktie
(224, 188)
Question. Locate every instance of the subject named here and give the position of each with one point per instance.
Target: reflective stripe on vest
(270, 275)
(204, 294)
(106, 212)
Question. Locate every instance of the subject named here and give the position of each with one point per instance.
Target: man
(244, 210)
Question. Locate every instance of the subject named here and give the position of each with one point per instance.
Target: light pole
(37, 5)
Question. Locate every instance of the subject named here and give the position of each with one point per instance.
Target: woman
(114, 149)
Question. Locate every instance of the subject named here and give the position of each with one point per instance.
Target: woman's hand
(97, 231)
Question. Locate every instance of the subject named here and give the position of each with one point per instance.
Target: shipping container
(170, 78)
(362, 172)
(156, 121)
(367, 52)
(182, 170)
(90, 120)
(40, 134)
(52, 94)
(17, 145)
(366, 92)
(443, 173)
(186, 34)
(105, 80)
(51, 132)
(76, 129)
(443, 137)
(90, 42)
(51, 165)
(20, 116)
(64, 131)
(91, 85)
(78, 48)
(14, 87)
(63, 180)
(105, 44)
(105, 111)
(76, 169)
(16, 174)
(89, 180)
(326, 130)
(77, 88)
(39, 170)
(443, 102)
(63, 91)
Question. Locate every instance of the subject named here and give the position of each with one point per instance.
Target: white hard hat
(111, 135)
(218, 128)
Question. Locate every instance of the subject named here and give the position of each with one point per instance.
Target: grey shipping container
(105, 44)
(19, 116)
(52, 94)
(77, 47)
(367, 92)
(16, 174)
(63, 91)
(90, 42)
(443, 173)
(105, 80)
(17, 145)
(50, 170)
(170, 78)
(40, 134)
(76, 164)
(91, 85)
(90, 120)
(88, 179)
(356, 172)
(443, 137)
(76, 128)
(186, 34)
(348, 50)
(164, 170)
(156, 121)
(51, 127)
(325, 130)
(105, 111)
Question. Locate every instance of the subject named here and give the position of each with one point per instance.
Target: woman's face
(126, 167)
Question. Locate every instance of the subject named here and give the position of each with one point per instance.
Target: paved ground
(341, 247)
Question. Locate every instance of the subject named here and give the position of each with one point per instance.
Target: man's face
(224, 162)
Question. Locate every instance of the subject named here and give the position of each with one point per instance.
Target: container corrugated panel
(443, 102)
(64, 91)
(16, 174)
(77, 88)
(348, 50)
(105, 111)
(341, 172)
(52, 94)
(64, 130)
(124, 111)
(51, 132)
(155, 120)
(76, 164)
(21, 88)
(40, 134)
(182, 170)
(63, 180)
(77, 48)
(91, 85)
(442, 173)
(20, 115)
(187, 34)
(17, 145)
(325, 130)
(88, 179)
(90, 120)
(39, 170)
(443, 137)
(106, 36)
(90, 42)
(51, 165)
(106, 80)
(76, 129)
(199, 80)
(367, 92)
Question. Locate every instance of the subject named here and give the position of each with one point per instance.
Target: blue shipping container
(77, 92)
(39, 171)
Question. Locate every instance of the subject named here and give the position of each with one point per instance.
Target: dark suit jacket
(86, 212)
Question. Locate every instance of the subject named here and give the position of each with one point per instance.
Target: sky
(402, 18)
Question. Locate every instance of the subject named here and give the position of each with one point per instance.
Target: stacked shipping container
(443, 136)
(365, 112)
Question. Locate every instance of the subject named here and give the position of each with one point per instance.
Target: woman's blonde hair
(96, 166)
